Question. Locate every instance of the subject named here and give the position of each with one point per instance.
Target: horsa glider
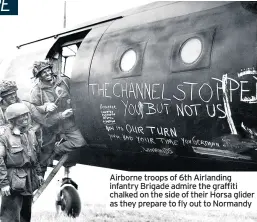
(166, 86)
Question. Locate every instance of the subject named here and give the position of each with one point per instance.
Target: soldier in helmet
(20, 172)
(51, 95)
(8, 93)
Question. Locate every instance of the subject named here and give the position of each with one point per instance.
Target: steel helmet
(39, 66)
(7, 87)
(15, 110)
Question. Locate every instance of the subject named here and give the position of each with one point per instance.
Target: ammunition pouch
(18, 180)
(14, 156)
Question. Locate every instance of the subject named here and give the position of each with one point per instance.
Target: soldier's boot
(58, 153)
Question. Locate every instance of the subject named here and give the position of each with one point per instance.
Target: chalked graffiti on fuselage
(213, 99)
(152, 99)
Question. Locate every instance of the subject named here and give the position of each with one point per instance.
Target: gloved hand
(6, 191)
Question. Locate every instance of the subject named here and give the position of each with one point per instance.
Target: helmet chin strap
(19, 128)
(51, 82)
(22, 129)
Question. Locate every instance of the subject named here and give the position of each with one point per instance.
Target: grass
(99, 213)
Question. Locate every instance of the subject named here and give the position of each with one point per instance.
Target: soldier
(8, 93)
(20, 172)
(9, 96)
(51, 95)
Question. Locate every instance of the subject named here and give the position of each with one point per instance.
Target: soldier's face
(11, 98)
(22, 120)
(46, 75)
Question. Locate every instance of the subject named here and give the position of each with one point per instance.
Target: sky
(37, 18)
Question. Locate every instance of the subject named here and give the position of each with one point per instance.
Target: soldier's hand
(41, 180)
(50, 107)
(67, 113)
(6, 191)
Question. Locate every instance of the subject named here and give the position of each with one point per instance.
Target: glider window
(192, 51)
(128, 60)
(68, 56)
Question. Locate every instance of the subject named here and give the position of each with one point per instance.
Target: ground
(99, 213)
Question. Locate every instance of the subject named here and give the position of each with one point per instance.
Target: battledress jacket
(19, 166)
(43, 93)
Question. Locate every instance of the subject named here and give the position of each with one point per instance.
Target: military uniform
(38, 119)
(59, 94)
(19, 168)
(42, 94)
(8, 87)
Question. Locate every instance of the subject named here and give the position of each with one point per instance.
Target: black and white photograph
(128, 111)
